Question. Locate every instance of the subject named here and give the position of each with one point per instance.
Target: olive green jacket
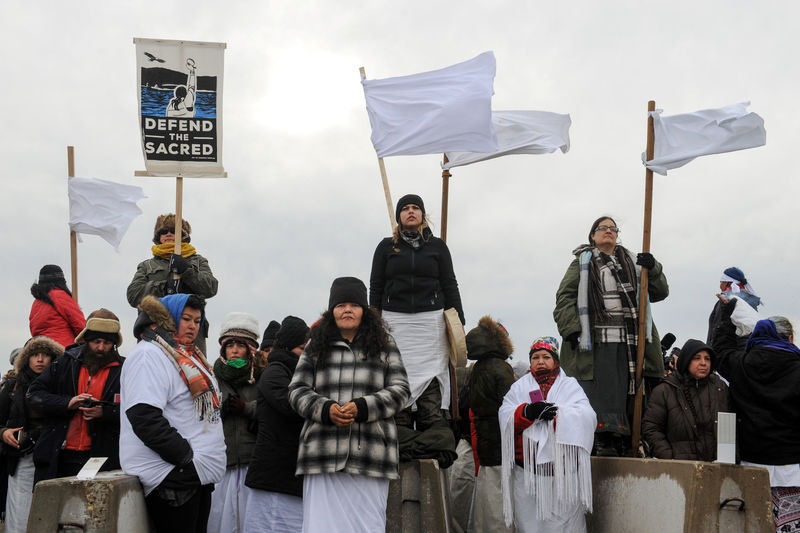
(580, 363)
(152, 275)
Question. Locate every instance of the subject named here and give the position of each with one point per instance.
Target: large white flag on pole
(520, 132)
(434, 112)
(103, 208)
(681, 138)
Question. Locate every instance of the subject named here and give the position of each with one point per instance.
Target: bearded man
(78, 396)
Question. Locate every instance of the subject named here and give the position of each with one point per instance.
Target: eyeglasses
(607, 228)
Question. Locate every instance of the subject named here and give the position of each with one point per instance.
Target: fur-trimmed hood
(152, 311)
(489, 338)
(36, 345)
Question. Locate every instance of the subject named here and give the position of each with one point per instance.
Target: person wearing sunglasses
(154, 276)
(597, 314)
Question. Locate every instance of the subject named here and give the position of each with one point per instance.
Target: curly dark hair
(373, 334)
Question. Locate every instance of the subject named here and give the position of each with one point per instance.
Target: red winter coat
(61, 323)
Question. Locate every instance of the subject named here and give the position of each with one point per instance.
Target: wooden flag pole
(73, 237)
(445, 197)
(384, 179)
(643, 286)
(178, 219)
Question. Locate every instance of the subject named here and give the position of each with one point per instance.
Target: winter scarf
(167, 249)
(413, 238)
(546, 379)
(206, 400)
(590, 298)
(766, 335)
(235, 377)
(557, 466)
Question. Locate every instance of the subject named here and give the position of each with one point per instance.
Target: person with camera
(155, 276)
(78, 395)
(20, 427)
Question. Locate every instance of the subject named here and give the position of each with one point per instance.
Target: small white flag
(681, 138)
(434, 112)
(520, 132)
(104, 208)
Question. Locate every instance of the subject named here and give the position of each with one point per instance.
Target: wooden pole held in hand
(445, 197)
(643, 285)
(178, 219)
(384, 178)
(73, 237)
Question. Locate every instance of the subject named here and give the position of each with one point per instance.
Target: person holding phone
(547, 429)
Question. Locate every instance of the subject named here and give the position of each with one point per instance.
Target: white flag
(446, 110)
(104, 208)
(681, 138)
(520, 132)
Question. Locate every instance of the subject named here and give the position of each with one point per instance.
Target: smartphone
(536, 396)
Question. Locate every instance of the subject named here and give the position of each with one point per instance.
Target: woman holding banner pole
(597, 316)
(412, 282)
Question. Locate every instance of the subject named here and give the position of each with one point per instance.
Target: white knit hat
(240, 325)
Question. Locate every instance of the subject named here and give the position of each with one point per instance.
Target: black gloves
(572, 339)
(726, 309)
(235, 404)
(178, 264)
(646, 260)
(540, 411)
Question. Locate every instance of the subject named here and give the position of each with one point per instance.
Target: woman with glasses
(597, 313)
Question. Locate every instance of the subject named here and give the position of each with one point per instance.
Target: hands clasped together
(343, 416)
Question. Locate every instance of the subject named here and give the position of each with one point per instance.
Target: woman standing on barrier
(412, 282)
(597, 313)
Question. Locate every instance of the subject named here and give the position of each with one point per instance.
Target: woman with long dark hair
(54, 313)
(597, 314)
(348, 385)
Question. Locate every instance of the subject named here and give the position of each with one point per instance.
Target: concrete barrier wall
(111, 503)
(649, 495)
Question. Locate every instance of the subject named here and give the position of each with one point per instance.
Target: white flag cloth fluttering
(520, 132)
(434, 112)
(103, 208)
(681, 138)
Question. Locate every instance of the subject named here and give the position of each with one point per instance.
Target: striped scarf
(206, 400)
(590, 299)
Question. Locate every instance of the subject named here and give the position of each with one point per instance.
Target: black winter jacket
(765, 389)
(51, 393)
(15, 412)
(406, 280)
(274, 459)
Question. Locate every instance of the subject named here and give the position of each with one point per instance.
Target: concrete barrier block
(651, 495)
(113, 502)
(418, 500)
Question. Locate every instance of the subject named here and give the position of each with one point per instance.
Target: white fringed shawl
(560, 455)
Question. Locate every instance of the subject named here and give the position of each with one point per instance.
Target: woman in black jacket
(412, 282)
(275, 503)
(21, 426)
(764, 380)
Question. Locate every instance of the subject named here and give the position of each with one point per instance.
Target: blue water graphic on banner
(155, 101)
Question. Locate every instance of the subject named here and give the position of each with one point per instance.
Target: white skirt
(525, 519)
(20, 493)
(424, 348)
(229, 502)
(273, 512)
(344, 503)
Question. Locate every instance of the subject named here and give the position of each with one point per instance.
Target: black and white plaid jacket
(377, 383)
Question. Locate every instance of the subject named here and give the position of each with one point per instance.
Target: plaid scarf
(624, 273)
(206, 401)
(546, 378)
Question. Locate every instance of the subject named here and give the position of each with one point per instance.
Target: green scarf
(235, 377)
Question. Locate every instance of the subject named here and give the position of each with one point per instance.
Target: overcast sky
(303, 202)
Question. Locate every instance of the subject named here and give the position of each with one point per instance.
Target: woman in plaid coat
(348, 385)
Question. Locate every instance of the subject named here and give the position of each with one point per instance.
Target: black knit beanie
(268, 339)
(348, 289)
(51, 273)
(404, 201)
(293, 333)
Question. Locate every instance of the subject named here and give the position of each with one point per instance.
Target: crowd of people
(303, 427)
